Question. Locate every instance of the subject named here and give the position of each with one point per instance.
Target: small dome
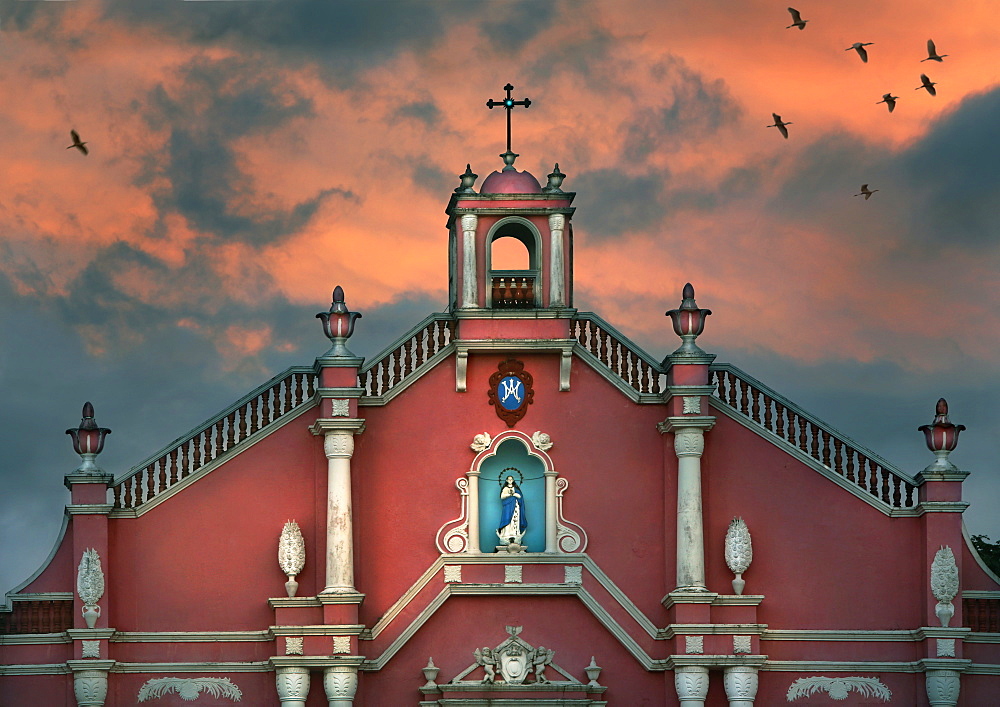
(510, 182)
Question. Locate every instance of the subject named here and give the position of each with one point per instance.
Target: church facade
(513, 505)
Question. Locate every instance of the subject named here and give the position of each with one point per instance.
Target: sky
(246, 157)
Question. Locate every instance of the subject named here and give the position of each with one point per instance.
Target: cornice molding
(325, 425)
(190, 636)
(676, 423)
(25, 639)
(101, 509)
(39, 669)
(318, 630)
(90, 633)
(210, 667)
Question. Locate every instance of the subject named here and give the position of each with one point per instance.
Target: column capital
(693, 423)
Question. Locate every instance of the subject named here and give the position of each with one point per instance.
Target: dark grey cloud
(618, 202)
(201, 161)
(514, 24)
(427, 112)
(430, 178)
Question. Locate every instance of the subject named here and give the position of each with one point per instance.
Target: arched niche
(518, 288)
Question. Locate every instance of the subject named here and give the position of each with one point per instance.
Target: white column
(691, 682)
(741, 685)
(943, 687)
(293, 686)
(339, 448)
(341, 684)
(689, 443)
(551, 531)
(470, 291)
(473, 545)
(557, 267)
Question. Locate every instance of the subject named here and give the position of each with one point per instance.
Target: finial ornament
(291, 554)
(555, 181)
(468, 178)
(90, 585)
(338, 325)
(944, 583)
(941, 437)
(689, 322)
(508, 104)
(88, 440)
(739, 552)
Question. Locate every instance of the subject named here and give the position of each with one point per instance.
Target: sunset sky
(245, 157)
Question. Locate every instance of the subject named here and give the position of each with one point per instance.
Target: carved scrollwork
(453, 536)
(570, 537)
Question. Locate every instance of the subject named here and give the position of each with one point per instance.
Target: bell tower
(511, 211)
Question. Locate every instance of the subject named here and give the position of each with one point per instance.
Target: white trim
(190, 636)
(39, 669)
(205, 469)
(213, 667)
(24, 639)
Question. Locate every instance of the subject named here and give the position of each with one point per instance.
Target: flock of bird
(887, 98)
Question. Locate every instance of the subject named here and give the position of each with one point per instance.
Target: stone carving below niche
(514, 663)
(189, 689)
(838, 688)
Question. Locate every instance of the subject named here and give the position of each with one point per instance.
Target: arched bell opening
(513, 262)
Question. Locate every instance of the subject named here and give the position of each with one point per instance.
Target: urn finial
(338, 325)
(555, 181)
(689, 322)
(941, 437)
(468, 178)
(88, 440)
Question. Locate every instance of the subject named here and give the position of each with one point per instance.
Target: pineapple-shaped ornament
(291, 554)
(739, 552)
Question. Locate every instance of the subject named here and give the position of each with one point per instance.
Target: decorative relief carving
(91, 649)
(943, 686)
(741, 682)
(341, 644)
(90, 687)
(90, 585)
(689, 442)
(741, 644)
(512, 573)
(574, 574)
(511, 391)
(838, 688)
(292, 683)
(944, 583)
(457, 538)
(338, 445)
(340, 682)
(570, 537)
(293, 645)
(946, 647)
(542, 441)
(739, 552)
(691, 682)
(692, 405)
(189, 688)
(694, 644)
(452, 573)
(291, 554)
(481, 442)
(341, 408)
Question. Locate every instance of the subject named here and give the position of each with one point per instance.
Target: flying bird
(779, 125)
(859, 47)
(889, 100)
(932, 54)
(866, 191)
(797, 20)
(928, 84)
(81, 146)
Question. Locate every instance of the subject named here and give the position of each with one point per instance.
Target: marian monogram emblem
(510, 391)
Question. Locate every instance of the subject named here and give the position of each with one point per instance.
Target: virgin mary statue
(513, 521)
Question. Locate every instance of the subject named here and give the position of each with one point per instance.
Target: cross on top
(508, 103)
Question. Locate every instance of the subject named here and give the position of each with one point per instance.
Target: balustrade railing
(982, 615)
(276, 398)
(513, 292)
(37, 616)
(830, 448)
(620, 355)
(402, 359)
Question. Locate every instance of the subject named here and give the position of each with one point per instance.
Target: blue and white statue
(513, 519)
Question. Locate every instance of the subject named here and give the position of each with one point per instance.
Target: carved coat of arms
(511, 391)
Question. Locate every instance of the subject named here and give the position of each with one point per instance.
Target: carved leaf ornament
(511, 391)
(944, 575)
(291, 549)
(739, 551)
(189, 689)
(838, 688)
(90, 578)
